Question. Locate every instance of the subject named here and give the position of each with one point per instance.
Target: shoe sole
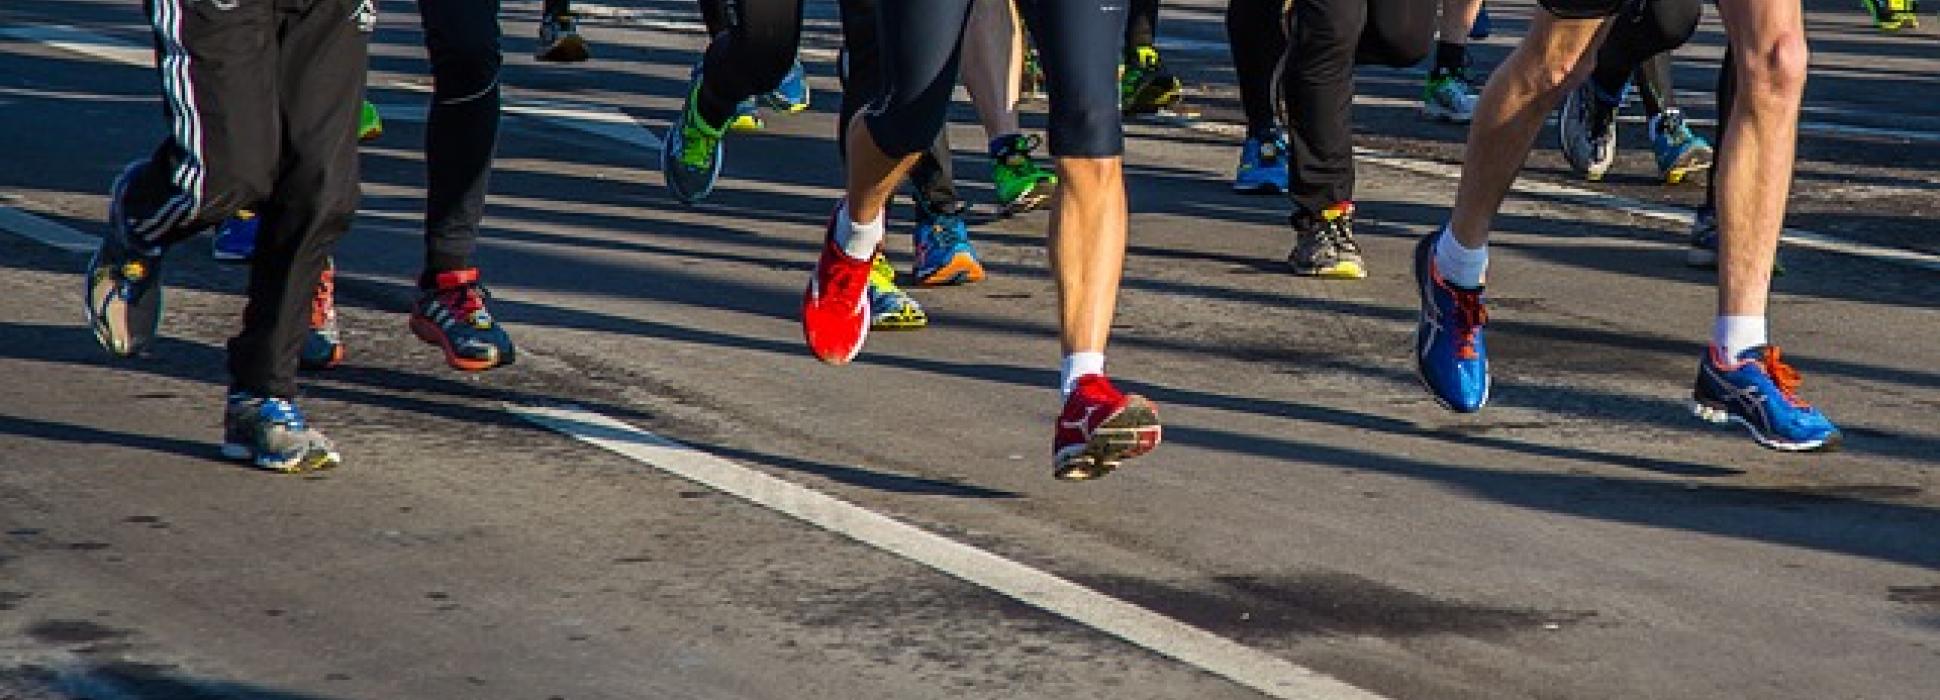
(429, 333)
(1694, 161)
(1336, 271)
(1128, 434)
(890, 323)
(962, 269)
(308, 462)
(1719, 415)
(1030, 201)
(744, 123)
(571, 49)
(1145, 102)
(335, 359)
(369, 135)
(1442, 114)
(1262, 188)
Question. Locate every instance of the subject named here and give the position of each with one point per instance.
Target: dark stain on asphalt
(642, 559)
(438, 595)
(1914, 595)
(154, 522)
(25, 531)
(1281, 607)
(11, 599)
(88, 546)
(67, 632)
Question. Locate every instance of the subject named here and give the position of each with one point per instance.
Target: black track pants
(1257, 36)
(1639, 37)
(262, 103)
(750, 54)
(1142, 25)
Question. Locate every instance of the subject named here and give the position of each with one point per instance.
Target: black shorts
(1586, 9)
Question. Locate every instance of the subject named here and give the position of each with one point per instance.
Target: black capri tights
(750, 54)
(1078, 42)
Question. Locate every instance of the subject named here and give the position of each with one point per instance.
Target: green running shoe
(891, 308)
(691, 155)
(1022, 185)
(369, 125)
(1893, 15)
(1144, 85)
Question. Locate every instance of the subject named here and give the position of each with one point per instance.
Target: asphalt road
(1582, 538)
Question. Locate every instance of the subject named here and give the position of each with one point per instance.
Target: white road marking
(46, 232)
(83, 42)
(1269, 674)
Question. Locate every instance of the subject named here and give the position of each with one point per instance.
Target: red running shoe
(1101, 428)
(835, 309)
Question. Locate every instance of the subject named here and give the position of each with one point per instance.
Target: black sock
(1450, 58)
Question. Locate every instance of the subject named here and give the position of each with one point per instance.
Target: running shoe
(891, 308)
(124, 281)
(271, 433)
(1893, 15)
(1450, 357)
(1101, 428)
(1703, 251)
(1031, 86)
(1324, 246)
(691, 153)
(747, 117)
(1482, 26)
(1680, 151)
(235, 238)
(323, 348)
(792, 95)
(1262, 164)
(1759, 391)
(1022, 185)
(1144, 85)
(370, 126)
(944, 255)
(1587, 127)
(559, 40)
(452, 316)
(1449, 96)
(835, 307)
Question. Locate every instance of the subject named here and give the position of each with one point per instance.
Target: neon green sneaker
(690, 156)
(1893, 15)
(1022, 185)
(369, 125)
(891, 308)
(1144, 85)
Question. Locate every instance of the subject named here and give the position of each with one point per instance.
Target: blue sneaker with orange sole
(1450, 357)
(944, 255)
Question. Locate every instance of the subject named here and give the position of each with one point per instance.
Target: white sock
(858, 240)
(1076, 365)
(1460, 265)
(1736, 334)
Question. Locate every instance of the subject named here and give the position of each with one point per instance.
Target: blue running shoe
(235, 239)
(272, 434)
(1759, 391)
(1450, 358)
(1680, 151)
(124, 281)
(691, 154)
(792, 95)
(1482, 26)
(1262, 164)
(944, 255)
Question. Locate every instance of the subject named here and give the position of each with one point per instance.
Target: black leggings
(861, 72)
(462, 37)
(1255, 33)
(1078, 43)
(1639, 39)
(750, 54)
(1142, 26)
(1323, 41)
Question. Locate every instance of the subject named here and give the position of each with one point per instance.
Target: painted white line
(46, 232)
(1269, 674)
(1602, 200)
(83, 42)
(597, 120)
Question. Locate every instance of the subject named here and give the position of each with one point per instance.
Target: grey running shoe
(271, 433)
(1324, 245)
(124, 282)
(1588, 130)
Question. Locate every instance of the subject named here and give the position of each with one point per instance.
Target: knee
(1091, 129)
(1774, 69)
(464, 69)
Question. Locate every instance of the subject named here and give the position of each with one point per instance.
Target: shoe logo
(1081, 424)
(365, 17)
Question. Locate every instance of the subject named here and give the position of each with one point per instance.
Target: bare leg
(1456, 19)
(1520, 94)
(993, 60)
(872, 175)
(1755, 173)
(1088, 238)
